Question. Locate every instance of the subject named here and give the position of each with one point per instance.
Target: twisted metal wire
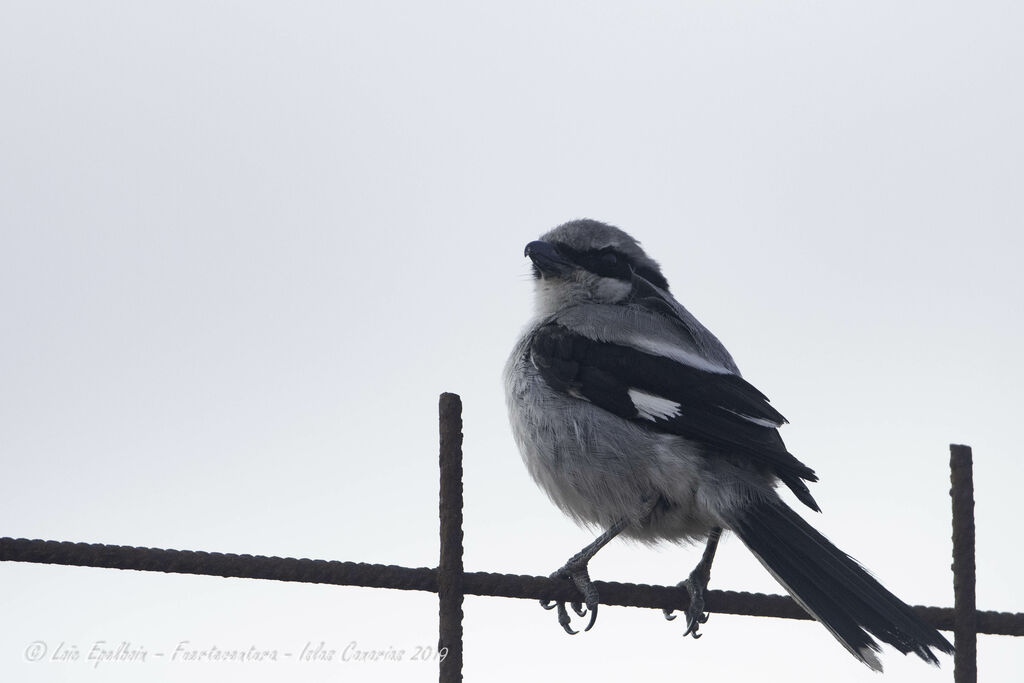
(965, 633)
(426, 579)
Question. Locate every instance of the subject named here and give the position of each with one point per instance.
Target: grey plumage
(618, 465)
(634, 418)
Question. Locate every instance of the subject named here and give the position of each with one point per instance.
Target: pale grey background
(245, 245)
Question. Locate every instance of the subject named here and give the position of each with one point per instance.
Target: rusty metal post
(450, 570)
(965, 631)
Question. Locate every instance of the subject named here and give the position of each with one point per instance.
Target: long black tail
(833, 587)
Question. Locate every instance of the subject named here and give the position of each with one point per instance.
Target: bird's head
(586, 261)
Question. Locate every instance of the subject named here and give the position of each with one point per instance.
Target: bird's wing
(654, 321)
(667, 387)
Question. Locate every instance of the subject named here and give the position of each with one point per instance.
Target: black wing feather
(713, 407)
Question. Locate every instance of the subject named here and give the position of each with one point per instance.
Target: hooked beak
(546, 259)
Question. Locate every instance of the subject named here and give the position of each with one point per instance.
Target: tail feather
(833, 587)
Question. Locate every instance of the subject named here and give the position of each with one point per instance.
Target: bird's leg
(696, 585)
(576, 571)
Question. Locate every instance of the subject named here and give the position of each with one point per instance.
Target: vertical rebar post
(450, 571)
(965, 631)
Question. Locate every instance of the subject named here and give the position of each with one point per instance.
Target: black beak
(546, 259)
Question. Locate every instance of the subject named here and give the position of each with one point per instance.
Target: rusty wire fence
(452, 583)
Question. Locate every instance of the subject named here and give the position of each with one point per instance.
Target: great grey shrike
(633, 418)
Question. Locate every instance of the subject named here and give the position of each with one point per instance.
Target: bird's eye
(609, 263)
(606, 262)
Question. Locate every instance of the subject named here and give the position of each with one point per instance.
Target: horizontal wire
(425, 579)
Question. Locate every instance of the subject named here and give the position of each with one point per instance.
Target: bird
(634, 419)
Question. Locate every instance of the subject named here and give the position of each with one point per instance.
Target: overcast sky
(245, 245)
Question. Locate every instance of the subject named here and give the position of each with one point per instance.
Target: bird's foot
(575, 570)
(695, 614)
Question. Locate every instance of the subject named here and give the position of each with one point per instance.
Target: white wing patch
(759, 421)
(677, 353)
(652, 407)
